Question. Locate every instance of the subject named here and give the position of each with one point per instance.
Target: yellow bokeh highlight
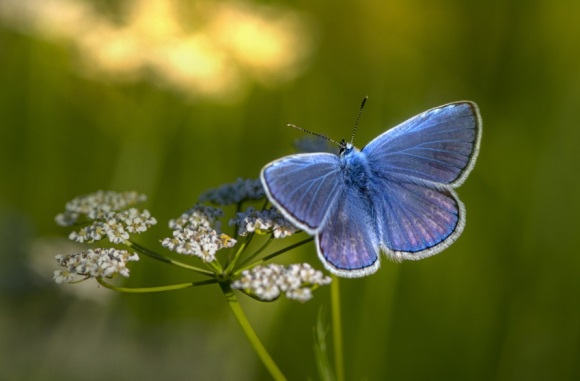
(212, 50)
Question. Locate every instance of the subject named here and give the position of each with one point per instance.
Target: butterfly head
(345, 148)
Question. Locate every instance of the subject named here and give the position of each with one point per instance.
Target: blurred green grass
(502, 303)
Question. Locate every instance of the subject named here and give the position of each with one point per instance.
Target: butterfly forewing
(304, 187)
(437, 146)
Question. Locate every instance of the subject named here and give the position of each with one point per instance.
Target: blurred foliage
(501, 304)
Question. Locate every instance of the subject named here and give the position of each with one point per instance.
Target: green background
(501, 304)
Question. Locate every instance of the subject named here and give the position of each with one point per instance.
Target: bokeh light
(212, 50)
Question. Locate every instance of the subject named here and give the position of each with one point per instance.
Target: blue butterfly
(396, 195)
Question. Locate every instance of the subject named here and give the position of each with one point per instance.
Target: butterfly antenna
(314, 133)
(362, 105)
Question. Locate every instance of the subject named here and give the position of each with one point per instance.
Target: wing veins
(310, 183)
(320, 186)
(433, 160)
(408, 214)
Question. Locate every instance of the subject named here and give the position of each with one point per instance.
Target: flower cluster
(104, 211)
(234, 193)
(202, 242)
(93, 263)
(93, 206)
(198, 215)
(196, 232)
(263, 222)
(297, 281)
(116, 226)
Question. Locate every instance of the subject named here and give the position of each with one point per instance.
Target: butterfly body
(396, 195)
(355, 168)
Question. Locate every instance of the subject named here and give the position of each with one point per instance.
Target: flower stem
(214, 266)
(142, 290)
(250, 334)
(239, 252)
(337, 329)
(275, 254)
(154, 255)
(257, 252)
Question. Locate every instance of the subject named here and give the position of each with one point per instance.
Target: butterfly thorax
(355, 166)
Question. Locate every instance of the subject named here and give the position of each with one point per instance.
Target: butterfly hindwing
(415, 221)
(438, 146)
(304, 187)
(348, 245)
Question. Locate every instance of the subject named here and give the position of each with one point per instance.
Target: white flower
(297, 281)
(93, 263)
(106, 215)
(202, 242)
(93, 206)
(234, 193)
(116, 226)
(135, 221)
(198, 215)
(263, 222)
(196, 232)
(301, 294)
(64, 276)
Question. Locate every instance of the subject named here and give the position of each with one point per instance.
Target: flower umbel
(202, 242)
(93, 206)
(104, 211)
(115, 226)
(198, 215)
(234, 193)
(297, 281)
(93, 263)
(263, 222)
(196, 232)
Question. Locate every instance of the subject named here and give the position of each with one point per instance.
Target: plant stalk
(250, 333)
(337, 329)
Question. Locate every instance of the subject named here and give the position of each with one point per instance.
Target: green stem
(214, 266)
(240, 251)
(275, 254)
(337, 329)
(142, 290)
(161, 258)
(250, 334)
(257, 252)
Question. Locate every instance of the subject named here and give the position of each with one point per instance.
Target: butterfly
(396, 195)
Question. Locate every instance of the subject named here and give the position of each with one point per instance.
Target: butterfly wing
(348, 245)
(438, 146)
(304, 187)
(414, 221)
(415, 167)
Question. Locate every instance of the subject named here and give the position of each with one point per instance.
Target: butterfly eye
(343, 147)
